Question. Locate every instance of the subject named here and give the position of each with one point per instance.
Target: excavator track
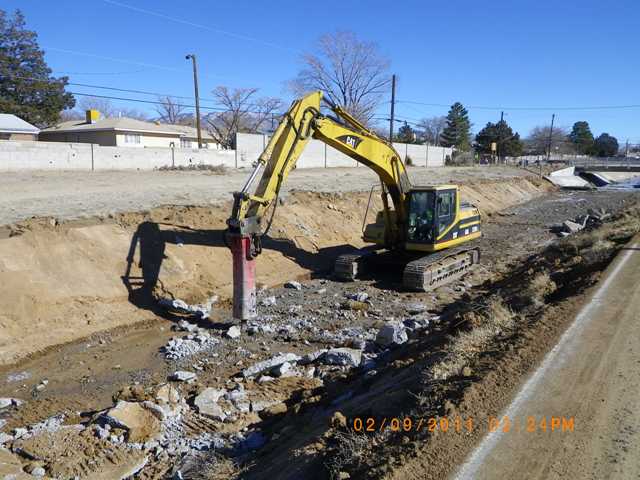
(435, 270)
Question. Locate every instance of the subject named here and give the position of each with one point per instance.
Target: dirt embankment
(75, 278)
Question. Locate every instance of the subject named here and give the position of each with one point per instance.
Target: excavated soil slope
(66, 281)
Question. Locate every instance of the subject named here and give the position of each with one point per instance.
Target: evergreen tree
(508, 143)
(457, 131)
(582, 137)
(405, 134)
(605, 146)
(27, 88)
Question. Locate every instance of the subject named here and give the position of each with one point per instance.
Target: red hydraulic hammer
(244, 276)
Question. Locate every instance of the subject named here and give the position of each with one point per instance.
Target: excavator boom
(302, 122)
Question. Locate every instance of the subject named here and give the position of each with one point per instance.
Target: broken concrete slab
(183, 376)
(312, 357)
(293, 285)
(281, 370)
(233, 332)
(349, 357)
(207, 403)
(566, 178)
(358, 297)
(141, 423)
(391, 333)
(239, 399)
(265, 365)
(572, 227)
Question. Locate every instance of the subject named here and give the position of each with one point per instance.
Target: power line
(126, 90)
(198, 25)
(125, 61)
(63, 72)
(151, 102)
(595, 107)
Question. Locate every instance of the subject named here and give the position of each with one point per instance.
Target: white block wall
(84, 156)
(28, 155)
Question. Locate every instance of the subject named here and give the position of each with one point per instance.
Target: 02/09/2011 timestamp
(529, 424)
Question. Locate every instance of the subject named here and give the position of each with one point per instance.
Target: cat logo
(350, 140)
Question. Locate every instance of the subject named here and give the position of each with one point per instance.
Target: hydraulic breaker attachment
(244, 275)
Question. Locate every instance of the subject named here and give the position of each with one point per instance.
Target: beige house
(124, 132)
(14, 128)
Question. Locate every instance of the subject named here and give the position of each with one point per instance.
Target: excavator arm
(302, 122)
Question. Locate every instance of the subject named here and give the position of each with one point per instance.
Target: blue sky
(500, 54)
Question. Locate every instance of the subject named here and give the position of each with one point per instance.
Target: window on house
(133, 138)
(185, 143)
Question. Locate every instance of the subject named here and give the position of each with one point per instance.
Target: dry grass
(215, 169)
(539, 288)
(468, 345)
(352, 449)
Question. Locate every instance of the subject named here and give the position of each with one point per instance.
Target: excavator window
(446, 209)
(421, 216)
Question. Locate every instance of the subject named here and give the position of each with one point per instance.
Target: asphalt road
(577, 416)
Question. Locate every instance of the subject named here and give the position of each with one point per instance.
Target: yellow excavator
(420, 230)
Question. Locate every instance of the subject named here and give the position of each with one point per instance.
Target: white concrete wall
(85, 156)
(318, 154)
(26, 155)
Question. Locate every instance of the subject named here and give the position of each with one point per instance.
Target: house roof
(123, 124)
(12, 124)
(189, 131)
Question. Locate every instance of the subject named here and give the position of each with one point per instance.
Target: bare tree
(108, 109)
(537, 142)
(170, 110)
(132, 113)
(242, 112)
(350, 72)
(103, 105)
(431, 128)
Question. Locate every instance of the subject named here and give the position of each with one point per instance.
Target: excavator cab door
(446, 210)
(421, 224)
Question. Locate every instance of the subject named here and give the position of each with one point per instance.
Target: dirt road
(591, 378)
(67, 195)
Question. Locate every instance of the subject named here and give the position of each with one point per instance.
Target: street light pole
(195, 87)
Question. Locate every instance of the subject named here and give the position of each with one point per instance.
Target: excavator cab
(437, 219)
(432, 211)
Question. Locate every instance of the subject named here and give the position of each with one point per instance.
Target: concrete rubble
(9, 402)
(182, 376)
(266, 365)
(569, 227)
(349, 357)
(207, 403)
(233, 332)
(140, 421)
(293, 285)
(178, 348)
(392, 333)
(268, 301)
(200, 311)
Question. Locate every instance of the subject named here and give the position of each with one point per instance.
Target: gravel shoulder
(69, 195)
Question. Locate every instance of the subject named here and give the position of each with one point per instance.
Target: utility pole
(393, 105)
(499, 150)
(553, 117)
(626, 149)
(195, 87)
